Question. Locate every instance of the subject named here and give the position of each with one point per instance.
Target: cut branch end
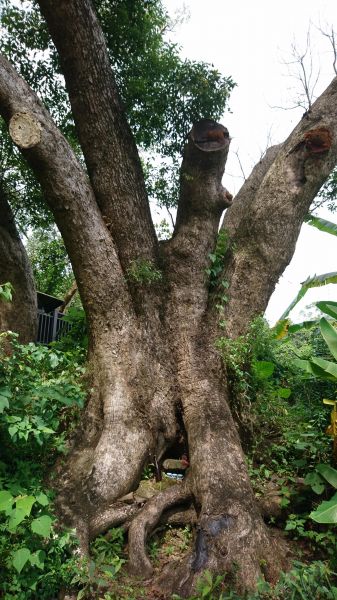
(25, 130)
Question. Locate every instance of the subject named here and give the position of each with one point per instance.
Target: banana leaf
(329, 334)
(321, 224)
(328, 307)
(326, 511)
(311, 282)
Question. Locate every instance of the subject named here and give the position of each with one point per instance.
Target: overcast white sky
(251, 41)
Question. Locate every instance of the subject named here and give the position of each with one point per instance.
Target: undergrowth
(282, 423)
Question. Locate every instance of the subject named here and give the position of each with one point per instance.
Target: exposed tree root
(114, 516)
(229, 546)
(145, 522)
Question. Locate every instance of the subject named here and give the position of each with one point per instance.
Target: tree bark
(19, 315)
(155, 376)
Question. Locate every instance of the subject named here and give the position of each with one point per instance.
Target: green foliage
(326, 512)
(75, 340)
(207, 588)
(218, 287)
(94, 576)
(303, 582)
(6, 290)
(40, 397)
(50, 263)
(143, 272)
(216, 259)
(328, 193)
(319, 367)
(43, 391)
(162, 94)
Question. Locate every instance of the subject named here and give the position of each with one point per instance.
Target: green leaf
(280, 330)
(329, 473)
(42, 499)
(284, 392)
(4, 403)
(315, 481)
(37, 559)
(329, 368)
(326, 512)
(6, 500)
(328, 307)
(25, 503)
(311, 282)
(54, 360)
(321, 224)
(20, 557)
(329, 334)
(5, 391)
(318, 367)
(263, 368)
(12, 430)
(42, 526)
(16, 518)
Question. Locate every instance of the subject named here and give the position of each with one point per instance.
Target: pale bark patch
(25, 130)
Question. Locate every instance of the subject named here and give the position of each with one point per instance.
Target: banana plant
(326, 512)
(316, 280)
(319, 367)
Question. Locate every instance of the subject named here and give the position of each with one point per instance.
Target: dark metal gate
(51, 326)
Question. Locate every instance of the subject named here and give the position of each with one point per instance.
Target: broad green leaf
(311, 282)
(54, 360)
(326, 512)
(329, 473)
(315, 481)
(328, 367)
(263, 368)
(6, 500)
(5, 391)
(318, 367)
(321, 224)
(284, 392)
(12, 430)
(305, 365)
(328, 307)
(20, 557)
(42, 526)
(37, 559)
(25, 503)
(329, 334)
(16, 518)
(42, 499)
(3, 403)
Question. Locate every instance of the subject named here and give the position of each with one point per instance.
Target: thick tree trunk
(155, 377)
(19, 315)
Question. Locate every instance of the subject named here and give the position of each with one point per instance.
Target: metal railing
(51, 326)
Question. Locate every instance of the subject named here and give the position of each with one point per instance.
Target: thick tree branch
(201, 203)
(265, 242)
(108, 146)
(242, 201)
(67, 192)
(20, 315)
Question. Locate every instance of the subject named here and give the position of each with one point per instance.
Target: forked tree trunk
(19, 315)
(155, 376)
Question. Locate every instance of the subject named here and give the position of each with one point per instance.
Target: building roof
(47, 303)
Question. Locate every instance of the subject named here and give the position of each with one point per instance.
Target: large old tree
(154, 315)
